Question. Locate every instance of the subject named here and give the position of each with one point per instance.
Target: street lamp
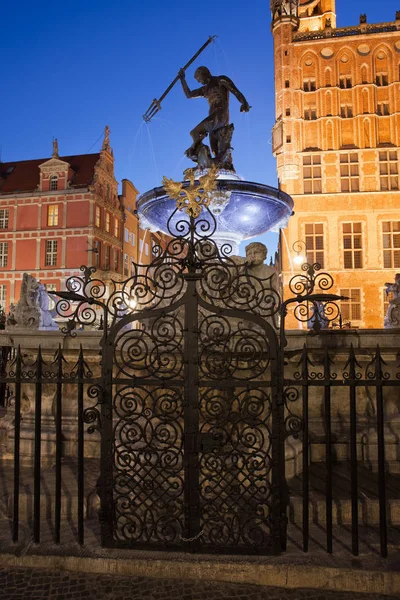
(300, 248)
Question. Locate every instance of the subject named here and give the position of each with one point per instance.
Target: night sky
(70, 68)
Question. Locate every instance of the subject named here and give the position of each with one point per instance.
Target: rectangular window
(52, 215)
(127, 235)
(351, 308)
(4, 218)
(98, 216)
(108, 221)
(126, 265)
(52, 287)
(381, 79)
(314, 238)
(352, 245)
(116, 228)
(107, 251)
(312, 174)
(382, 108)
(309, 85)
(287, 112)
(132, 267)
(310, 114)
(349, 173)
(387, 298)
(116, 260)
(391, 244)
(141, 245)
(132, 239)
(96, 253)
(146, 249)
(51, 253)
(346, 111)
(389, 170)
(287, 83)
(344, 82)
(3, 296)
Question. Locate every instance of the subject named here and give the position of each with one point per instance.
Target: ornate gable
(54, 171)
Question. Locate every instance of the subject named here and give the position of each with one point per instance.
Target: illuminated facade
(60, 213)
(336, 141)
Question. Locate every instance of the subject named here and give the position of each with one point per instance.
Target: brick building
(336, 140)
(60, 213)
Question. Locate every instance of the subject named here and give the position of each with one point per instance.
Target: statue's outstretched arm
(228, 83)
(188, 92)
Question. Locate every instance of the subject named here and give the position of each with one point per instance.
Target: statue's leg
(202, 129)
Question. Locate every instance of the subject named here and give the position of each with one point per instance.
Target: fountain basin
(242, 209)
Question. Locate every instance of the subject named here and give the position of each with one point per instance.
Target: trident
(155, 106)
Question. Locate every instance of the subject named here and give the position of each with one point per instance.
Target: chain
(196, 537)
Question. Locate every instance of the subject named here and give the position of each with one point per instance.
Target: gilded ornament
(192, 197)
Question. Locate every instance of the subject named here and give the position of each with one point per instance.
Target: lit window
(51, 253)
(391, 244)
(126, 265)
(388, 170)
(344, 82)
(312, 174)
(98, 216)
(351, 308)
(116, 228)
(349, 173)
(3, 296)
(352, 245)
(314, 238)
(4, 218)
(381, 79)
(52, 215)
(3, 254)
(108, 218)
(53, 183)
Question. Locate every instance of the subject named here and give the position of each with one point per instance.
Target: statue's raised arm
(216, 90)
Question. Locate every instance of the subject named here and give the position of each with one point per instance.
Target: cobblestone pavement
(38, 584)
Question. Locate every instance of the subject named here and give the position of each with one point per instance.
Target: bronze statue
(216, 90)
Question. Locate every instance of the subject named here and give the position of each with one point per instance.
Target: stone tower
(336, 141)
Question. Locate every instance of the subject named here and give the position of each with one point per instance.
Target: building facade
(60, 213)
(336, 140)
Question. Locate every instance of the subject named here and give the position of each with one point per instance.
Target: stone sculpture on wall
(392, 318)
(32, 309)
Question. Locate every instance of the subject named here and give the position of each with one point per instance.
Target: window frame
(52, 215)
(352, 252)
(4, 218)
(391, 250)
(351, 304)
(315, 251)
(51, 249)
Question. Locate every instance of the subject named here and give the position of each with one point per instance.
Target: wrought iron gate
(190, 421)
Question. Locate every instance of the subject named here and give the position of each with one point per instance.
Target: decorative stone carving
(26, 313)
(46, 320)
(392, 318)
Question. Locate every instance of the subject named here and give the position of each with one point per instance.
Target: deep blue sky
(69, 68)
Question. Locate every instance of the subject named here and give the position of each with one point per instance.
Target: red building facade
(60, 213)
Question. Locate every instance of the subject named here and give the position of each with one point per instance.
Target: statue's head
(202, 74)
(256, 253)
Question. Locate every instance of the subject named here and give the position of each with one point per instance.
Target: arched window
(53, 182)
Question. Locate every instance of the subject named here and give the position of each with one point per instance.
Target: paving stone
(38, 584)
